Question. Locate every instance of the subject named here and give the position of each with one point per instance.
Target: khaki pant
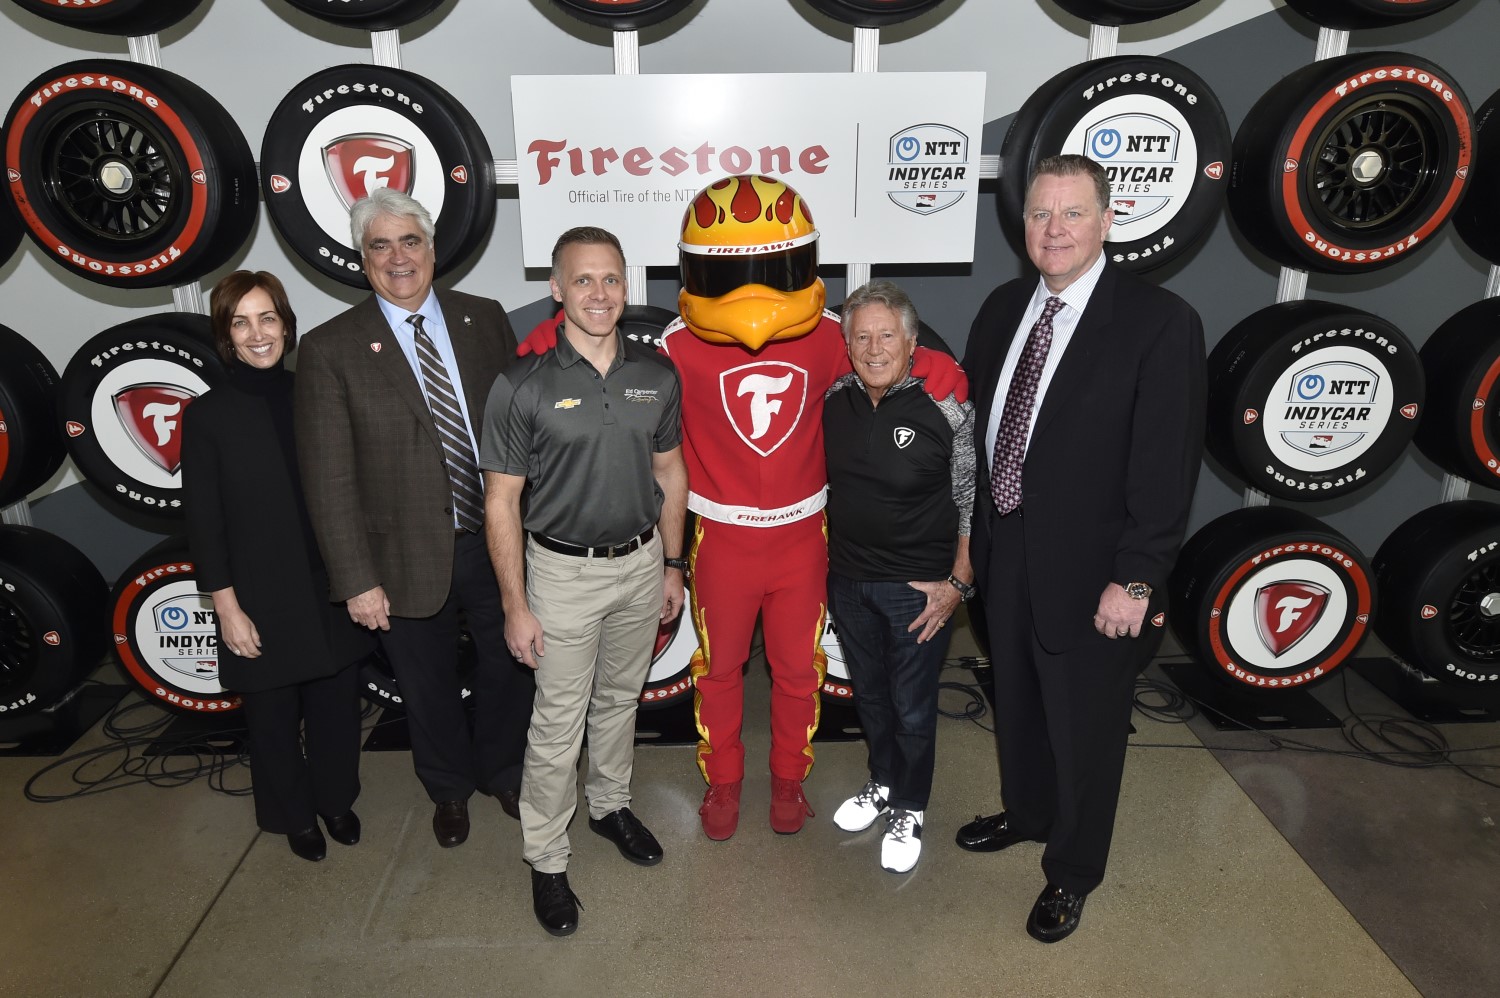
(599, 620)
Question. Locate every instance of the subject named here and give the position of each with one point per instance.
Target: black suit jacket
(1115, 453)
(372, 463)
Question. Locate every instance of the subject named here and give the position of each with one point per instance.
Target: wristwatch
(681, 564)
(1137, 590)
(965, 590)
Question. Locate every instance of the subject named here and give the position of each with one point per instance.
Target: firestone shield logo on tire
(152, 417)
(360, 164)
(1337, 401)
(1286, 612)
(764, 402)
(1150, 154)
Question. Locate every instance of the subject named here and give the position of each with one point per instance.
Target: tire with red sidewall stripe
(1352, 163)
(368, 15)
(622, 15)
(1475, 218)
(1346, 15)
(165, 632)
(121, 404)
(52, 619)
(31, 448)
(1122, 11)
(1439, 577)
(344, 131)
(129, 175)
(1270, 598)
(113, 17)
(873, 13)
(1461, 359)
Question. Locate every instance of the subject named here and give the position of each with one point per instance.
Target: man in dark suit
(388, 403)
(1089, 412)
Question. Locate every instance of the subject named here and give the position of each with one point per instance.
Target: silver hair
(383, 201)
(882, 293)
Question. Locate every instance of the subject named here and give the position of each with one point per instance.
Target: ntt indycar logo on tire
(1149, 152)
(1335, 403)
(925, 161)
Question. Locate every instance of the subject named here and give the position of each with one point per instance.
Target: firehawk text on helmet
(638, 161)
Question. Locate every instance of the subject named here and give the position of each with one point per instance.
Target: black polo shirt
(583, 441)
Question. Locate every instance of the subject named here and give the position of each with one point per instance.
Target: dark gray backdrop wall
(248, 53)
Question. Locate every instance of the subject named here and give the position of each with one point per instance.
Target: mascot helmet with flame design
(750, 263)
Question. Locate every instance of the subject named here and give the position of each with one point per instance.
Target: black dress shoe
(308, 843)
(450, 822)
(343, 829)
(1055, 914)
(554, 902)
(632, 838)
(991, 834)
(510, 802)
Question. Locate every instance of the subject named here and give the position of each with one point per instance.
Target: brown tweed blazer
(372, 465)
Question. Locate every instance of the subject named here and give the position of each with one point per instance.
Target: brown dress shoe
(450, 822)
(510, 802)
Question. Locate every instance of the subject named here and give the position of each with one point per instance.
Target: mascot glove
(544, 337)
(941, 373)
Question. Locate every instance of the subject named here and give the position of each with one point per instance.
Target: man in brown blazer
(389, 401)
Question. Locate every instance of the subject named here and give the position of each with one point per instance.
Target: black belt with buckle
(604, 552)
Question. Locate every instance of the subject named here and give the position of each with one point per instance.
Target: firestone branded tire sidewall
(31, 448)
(1439, 576)
(1269, 598)
(378, 681)
(1308, 400)
(1347, 15)
(114, 17)
(1461, 359)
(52, 619)
(1155, 127)
(1350, 164)
(1475, 218)
(368, 15)
(622, 15)
(1122, 11)
(874, 13)
(121, 405)
(128, 175)
(11, 232)
(346, 130)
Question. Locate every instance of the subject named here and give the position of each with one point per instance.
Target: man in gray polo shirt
(594, 428)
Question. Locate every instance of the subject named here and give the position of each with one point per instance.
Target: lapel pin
(375, 346)
(468, 321)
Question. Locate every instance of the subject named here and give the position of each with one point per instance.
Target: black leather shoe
(632, 838)
(450, 823)
(308, 843)
(510, 802)
(992, 834)
(343, 829)
(1055, 914)
(554, 902)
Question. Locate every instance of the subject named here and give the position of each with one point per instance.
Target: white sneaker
(902, 845)
(860, 811)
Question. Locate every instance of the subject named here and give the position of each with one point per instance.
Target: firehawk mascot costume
(756, 351)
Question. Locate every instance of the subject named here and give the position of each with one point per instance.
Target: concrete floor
(173, 892)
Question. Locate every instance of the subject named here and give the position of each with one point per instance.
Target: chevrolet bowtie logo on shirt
(567, 403)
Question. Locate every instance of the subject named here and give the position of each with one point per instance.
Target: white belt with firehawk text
(753, 516)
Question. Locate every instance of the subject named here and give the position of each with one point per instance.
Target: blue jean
(895, 681)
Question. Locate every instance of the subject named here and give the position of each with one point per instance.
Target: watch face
(1137, 590)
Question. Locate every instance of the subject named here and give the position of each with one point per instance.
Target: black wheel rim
(112, 174)
(1474, 614)
(1375, 164)
(17, 648)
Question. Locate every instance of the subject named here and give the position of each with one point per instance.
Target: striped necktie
(1015, 420)
(458, 451)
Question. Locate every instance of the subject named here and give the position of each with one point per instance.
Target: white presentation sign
(887, 162)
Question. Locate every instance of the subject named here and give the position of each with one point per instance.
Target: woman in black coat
(283, 647)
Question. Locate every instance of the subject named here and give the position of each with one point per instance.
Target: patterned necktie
(458, 452)
(1015, 421)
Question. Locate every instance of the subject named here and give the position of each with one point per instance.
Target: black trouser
(291, 787)
(451, 760)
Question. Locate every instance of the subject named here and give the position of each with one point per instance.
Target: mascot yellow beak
(754, 314)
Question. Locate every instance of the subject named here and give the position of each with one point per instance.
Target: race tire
(11, 232)
(1475, 218)
(669, 678)
(837, 683)
(645, 324)
(129, 175)
(114, 17)
(1308, 400)
(121, 404)
(1270, 598)
(622, 15)
(164, 632)
(1460, 431)
(1155, 127)
(1346, 15)
(873, 13)
(378, 681)
(347, 127)
(368, 15)
(1122, 11)
(52, 613)
(31, 448)
(1439, 578)
(1350, 164)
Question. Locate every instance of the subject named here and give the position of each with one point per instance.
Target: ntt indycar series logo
(925, 162)
(1337, 402)
(1140, 154)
